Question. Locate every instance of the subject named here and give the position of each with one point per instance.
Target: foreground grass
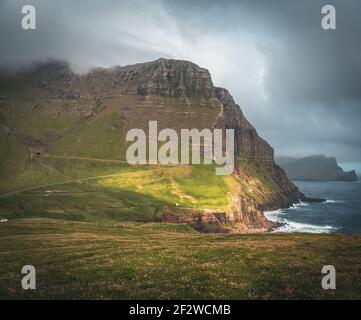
(164, 261)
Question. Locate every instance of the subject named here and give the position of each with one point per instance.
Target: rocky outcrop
(171, 78)
(241, 219)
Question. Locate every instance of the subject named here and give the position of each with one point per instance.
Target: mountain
(285, 160)
(317, 168)
(63, 149)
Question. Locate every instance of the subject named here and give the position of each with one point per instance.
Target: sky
(298, 84)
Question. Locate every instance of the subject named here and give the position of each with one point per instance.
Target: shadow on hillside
(92, 204)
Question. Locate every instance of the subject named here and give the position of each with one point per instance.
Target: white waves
(288, 225)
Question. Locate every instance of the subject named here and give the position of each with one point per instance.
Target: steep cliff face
(249, 146)
(247, 141)
(87, 117)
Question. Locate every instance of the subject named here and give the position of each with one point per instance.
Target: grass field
(164, 261)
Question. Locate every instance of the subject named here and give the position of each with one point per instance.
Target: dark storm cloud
(298, 84)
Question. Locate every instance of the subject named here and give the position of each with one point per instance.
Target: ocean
(341, 213)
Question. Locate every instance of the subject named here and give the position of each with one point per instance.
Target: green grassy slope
(98, 137)
(152, 261)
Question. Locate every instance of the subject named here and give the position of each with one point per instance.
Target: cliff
(317, 168)
(50, 113)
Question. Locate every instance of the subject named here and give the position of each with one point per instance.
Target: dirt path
(11, 193)
(87, 159)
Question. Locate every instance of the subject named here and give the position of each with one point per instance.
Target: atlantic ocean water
(340, 213)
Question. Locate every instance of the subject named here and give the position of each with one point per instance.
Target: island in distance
(315, 168)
